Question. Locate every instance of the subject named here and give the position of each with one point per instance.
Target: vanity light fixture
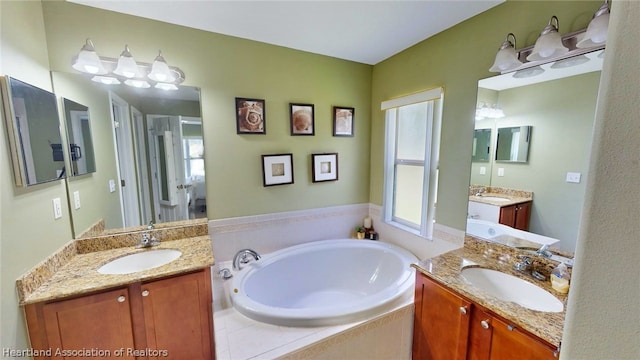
(485, 111)
(88, 60)
(528, 72)
(596, 33)
(506, 58)
(549, 44)
(126, 70)
(127, 67)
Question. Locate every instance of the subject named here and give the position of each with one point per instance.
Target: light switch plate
(76, 199)
(500, 171)
(573, 177)
(483, 170)
(112, 185)
(57, 208)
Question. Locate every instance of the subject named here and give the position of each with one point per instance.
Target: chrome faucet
(544, 251)
(526, 266)
(480, 191)
(242, 257)
(148, 240)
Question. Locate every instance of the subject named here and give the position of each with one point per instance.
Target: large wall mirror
(150, 150)
(33, 127)
(558, 111)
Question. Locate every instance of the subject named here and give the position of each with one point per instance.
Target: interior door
(126, 161)
(167, 167)
(142, 166)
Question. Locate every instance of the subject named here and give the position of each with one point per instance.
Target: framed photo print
(277, 169)
(325, 167)
(302, 119)
(343, 120)
(250, 116)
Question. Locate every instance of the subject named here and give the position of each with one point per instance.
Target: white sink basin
(495, 198)
(510, 288)
(140, 261)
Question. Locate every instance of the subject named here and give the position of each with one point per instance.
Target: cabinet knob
(121, 298)
(484, 324)
(145, 292)
(463, 310)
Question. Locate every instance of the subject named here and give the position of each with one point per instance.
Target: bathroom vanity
(455, 320)
(502, 206)
(159, 312)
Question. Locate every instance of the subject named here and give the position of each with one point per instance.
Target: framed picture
(302, 119)
(277, 169)
(250, 116)
(325, 167)
(343, 120)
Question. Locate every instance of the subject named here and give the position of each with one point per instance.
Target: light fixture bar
(569, 40)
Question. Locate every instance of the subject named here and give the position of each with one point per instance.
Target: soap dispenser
(560, 278)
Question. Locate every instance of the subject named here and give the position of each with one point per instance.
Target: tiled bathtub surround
(65, 271)
(446, 270)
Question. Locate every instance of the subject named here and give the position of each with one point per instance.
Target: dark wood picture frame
(277, 169)
(302, 119)
(324, 167)
(343, 121)
(250, 116)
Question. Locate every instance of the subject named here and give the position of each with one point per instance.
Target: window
(411, 157)
(193, 156)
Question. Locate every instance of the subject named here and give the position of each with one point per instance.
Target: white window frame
(434, 97)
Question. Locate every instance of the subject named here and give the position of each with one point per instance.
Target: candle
(367, 222)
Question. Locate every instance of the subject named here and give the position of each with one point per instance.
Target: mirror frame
(19, 163)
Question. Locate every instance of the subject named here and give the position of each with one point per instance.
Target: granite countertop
(77, 274)
(513, 200)
(446, 268)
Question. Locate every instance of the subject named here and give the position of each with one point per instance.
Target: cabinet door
(508, 215)
(494, 339)
(101, 321)
(523, 213)
(441, 322)
(178, 316)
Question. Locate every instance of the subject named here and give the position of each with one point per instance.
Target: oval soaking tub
(322, 283)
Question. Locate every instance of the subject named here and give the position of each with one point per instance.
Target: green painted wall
(224, 68)
(96, 200)
(456, 59)
(28, 232)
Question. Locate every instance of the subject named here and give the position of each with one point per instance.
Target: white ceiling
(362, 31)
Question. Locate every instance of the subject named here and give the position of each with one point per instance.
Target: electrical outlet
(483, 170)
(573, 177)
(500, 171)
(76, 199)
(112, 185)
(57, 208)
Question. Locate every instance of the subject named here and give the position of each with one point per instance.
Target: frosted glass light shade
(88, 61)
(137, 83)
(127, 66)
(596, 33)
(549, 44)
(506, 58)
(107, 80)
(166, 86)
(160, 71)
(525, 73)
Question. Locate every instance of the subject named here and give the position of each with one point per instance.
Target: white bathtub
(488, 230)
(322, 283)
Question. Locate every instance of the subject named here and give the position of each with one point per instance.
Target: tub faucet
(242, 257)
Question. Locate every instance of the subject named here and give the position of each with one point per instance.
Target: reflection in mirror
(79, 138)
(481, 145)
(33, 126)
(513, 144)
(129, 160)
(562, 109)
(161, 179)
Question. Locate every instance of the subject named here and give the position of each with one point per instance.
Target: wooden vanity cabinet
(173, 314)
(517, 215)
(448, 327)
